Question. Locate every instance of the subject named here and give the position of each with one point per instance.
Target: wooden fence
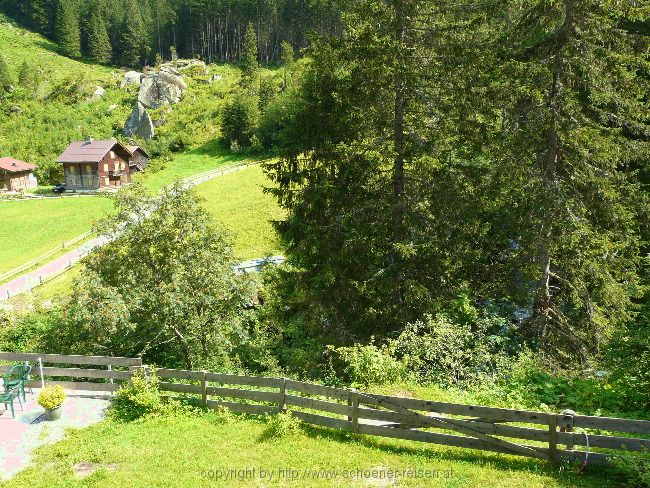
(549, 436)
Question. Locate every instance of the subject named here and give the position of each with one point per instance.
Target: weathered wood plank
(497, 414)
(613, 424)
(243, 407)
(178, 374)
(311, 418)
(255, 395)
(77, 385)
(604, 441)
(83, 373)
(180, 388)
(74, 359)
(310, 388)
(321, 405)
(451, 424)
(466, 442)
(232, 379)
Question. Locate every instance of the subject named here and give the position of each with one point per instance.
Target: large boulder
(139, 123)
(131, 78)
(162, 88)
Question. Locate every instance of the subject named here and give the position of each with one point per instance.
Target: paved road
(60, 265)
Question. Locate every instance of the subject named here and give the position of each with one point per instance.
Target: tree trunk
(542, 308)
(398, 163)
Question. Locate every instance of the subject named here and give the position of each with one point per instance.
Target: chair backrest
(14, 372)
(27, 369)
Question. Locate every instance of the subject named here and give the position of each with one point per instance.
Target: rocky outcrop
(139, 123)
(131, 78)
(162, 88)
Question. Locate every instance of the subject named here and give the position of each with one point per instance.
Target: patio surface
(29, 430)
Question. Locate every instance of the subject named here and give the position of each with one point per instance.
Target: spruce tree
(134, 37)
(67, 29)
(288, 62)
(6, 77)
(558, 117)
(249, 60)
(99, 46)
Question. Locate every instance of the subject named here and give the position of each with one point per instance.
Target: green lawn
(238, 202)
(199, 160)
(185, 451)
(29, 228)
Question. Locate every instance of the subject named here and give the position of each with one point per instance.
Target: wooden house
(139, 160)
(16, 175)
(96, 165)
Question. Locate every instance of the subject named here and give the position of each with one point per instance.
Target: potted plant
(51, 399)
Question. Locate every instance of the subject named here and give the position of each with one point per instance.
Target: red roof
(89, 151)
(15, 165)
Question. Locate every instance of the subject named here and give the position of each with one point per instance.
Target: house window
(105, 167)
(107, 182)
(112, 154)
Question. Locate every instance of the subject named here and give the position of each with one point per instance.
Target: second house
(96, 165)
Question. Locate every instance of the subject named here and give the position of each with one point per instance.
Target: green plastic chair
(18, 376)
(8, 397)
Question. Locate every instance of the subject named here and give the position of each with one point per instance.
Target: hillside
(36, 125)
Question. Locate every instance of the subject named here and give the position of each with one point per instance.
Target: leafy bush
(51, 397)
(451, 352)
(240, 119)
(628, 357)
(634, 470)
(138, 398)
(369, 365)
(281, 425)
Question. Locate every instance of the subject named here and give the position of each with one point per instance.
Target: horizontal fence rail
(548, 436)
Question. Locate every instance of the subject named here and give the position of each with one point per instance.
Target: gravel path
(20, 436)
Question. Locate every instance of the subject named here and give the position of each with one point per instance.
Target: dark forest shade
(211, 29)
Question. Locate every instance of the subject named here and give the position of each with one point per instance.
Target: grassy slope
(194, 161)
(44, 128)
(22, 45)
(174, 451)
(238, 202)
(31, 228)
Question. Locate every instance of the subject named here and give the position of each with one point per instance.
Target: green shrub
(281, 425)
(451, 352)
(51, 397)
(370, 365)
(634, 470)
(240, 119)
(138, 398)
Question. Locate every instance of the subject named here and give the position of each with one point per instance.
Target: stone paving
(29, 430)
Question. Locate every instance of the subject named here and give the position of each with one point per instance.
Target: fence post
(567, 425)
(204, 388)
(110, 368)
(283, 394)
(552, 437)
(355, 411)
(40, 371)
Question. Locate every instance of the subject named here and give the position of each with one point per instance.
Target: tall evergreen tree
(288, 62)
(67, 29)
(134, 40)
(249, 63)
(564, 97)
(99, 46)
